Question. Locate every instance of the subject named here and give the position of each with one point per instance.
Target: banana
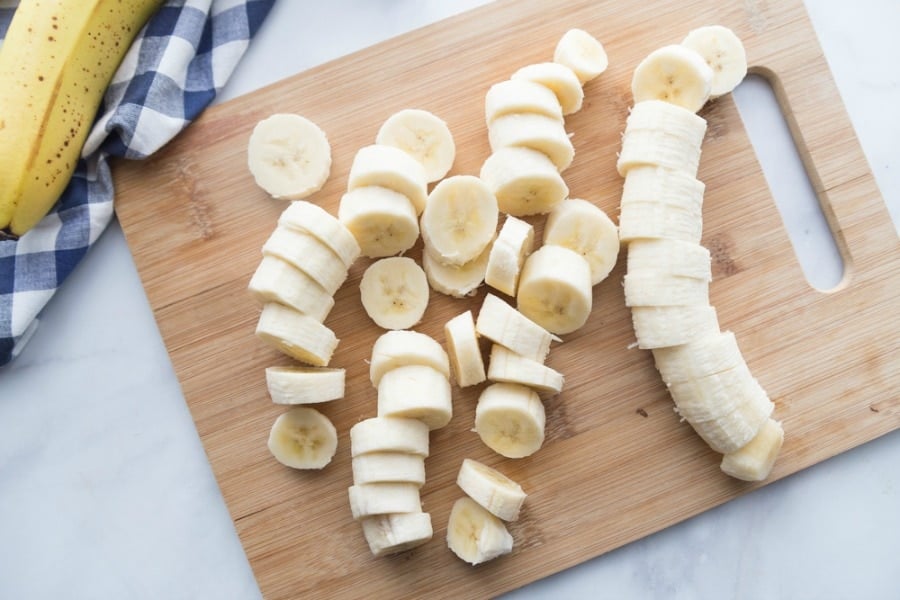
(382, 221)
(383, 434)
(390, 534)
(289, 156)
(307, 253)
(318, 222)
(581, 52)
(277, 281)
(507, 255)
(505, 366)
(460, 219)
(708, 354)
(394, 292)
(659, 148)
(670, 257)
(504, 325)
(675, 74)
(736, 429)
(474, 534)
(295, 334)
(304, 385)
(303, 438)
(402, 348)
(464, 351)
(530, 130)
(458, 281)
(724, 52)
(555, 289)
(520, 96)
(416, 392)
(524, 180)
(674, 120)
(714, 396)
(424, 136)
(584, 228)
(754, 461)
(490, 488)
(55, 64)
(653, 220)
(652, 184)
(560, 79)
(369, 499)
(654, 289)
(389, 467)
(662, 326)
(510, 419)
(392, 168)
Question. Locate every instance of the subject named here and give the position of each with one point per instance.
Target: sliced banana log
(717, 395)
(303, 438)
(524, 180)
(474, 534)
(504, 325)
(390, 534)
(392, 168)
(304, 385)
(652, 289)
(663, 326)
(460, 219)
(388, 467)
(382, 434)
(307, 253)
(506, 366)
(318, 222)
(402, 348)
(464, 351)
(382, 221)
(369, 499)
(560, 79)
(510, 419)
(658, 185)
(530, 130)
(653, 220)
(724, 52)
(416, 392)
(754, 461)
(295, 334)
(459, 281)
(289, 156)
(675, 74)
(670, 257)
(584, 228)
(520, 96)
(555, 289)
(507, 255)
(278, 281)
(394, 292)
(714, 352)
(490, 488)
(736, 429)
(424, 136)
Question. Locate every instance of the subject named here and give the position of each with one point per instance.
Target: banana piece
(369, 499)
(538, 132)
(675, 74)
(653, 220)
(303, 438)
(714, 396)
(584, 228)
(490, 488)
(510, 419)
(724, 52)
(555, 289)
(304, 385)
(736, 429)
(520, 96)
(709, 354)
(670, 257)
(524, 180)
(754, 461)
(416, 392)
(674, 120)
(390, 534)
(474, 534)
(394, 292)
(424, 136)
(560, 79)
(277, 281)
(659, 148)
(383, 434)
(505, 366)
(402, 348)
(460, 219)
(458, 281)
(581, 52)
(464, 351)
(673, 188)
(289, 156)
(507, 255)
(662, 326)
(504, 325)
(382, 221)
(318, 222)
(392, 168)
(295, 334)
(389, 467)
(655, 289)
(307, 253)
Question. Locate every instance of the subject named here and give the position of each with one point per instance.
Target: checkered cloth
(173, 70)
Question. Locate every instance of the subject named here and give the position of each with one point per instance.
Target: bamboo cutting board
(616, 464)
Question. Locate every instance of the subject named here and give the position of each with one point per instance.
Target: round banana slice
(510, 419)
(735, 430)
(295, 334)
(422, 135)
(474, 534)
(368, 499)
(464, 351)
(392, 168)
(394, 292)
(555, 289)
(382, 221)
(303, 438)
(322, 225)
(390, 534)
(508, 253)
(657, 148)
(458, 281)
(754, 461)
(289, 156)
(416, 392)
(724, 53)
(307, 253)
(584, 228)
(525, 181)
(277, 281)
(670, 257)
(383, 434)
(581, 52)
(508, 367)
(389, 467)
(515, 96)
(675, 74)
(649, 183)
(499, 322)
(304, 385)
(530, 130)
(663, 326)
(460, 219)
(674, 120)
(402, 348)
(656, 289)
(490, 488)
(560, 79)
(655, 220)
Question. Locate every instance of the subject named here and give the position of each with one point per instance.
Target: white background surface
(105, 491)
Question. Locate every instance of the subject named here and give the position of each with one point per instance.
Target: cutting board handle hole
(786, 174)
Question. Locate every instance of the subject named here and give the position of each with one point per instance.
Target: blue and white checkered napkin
(173, 70)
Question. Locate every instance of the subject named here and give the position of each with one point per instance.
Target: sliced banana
(390, 534)
(394, 292)
(675, 74)
(708, 354)
(714, 396)
(670, 257)
(501, 323)
(474, 534)
(383, 434)
(520, 96)
(369, 499)
(555, 289)
(277, 281)
(674, 120)
(530, 130)
(295, 334)
(464, 351)
(402, 348)
(581, 52)
(460, 219)
(508, 253)
(510, 419)
(303, 438)
(724, 52)
(382, 221)
(735, 430)
(458, 281)
(307, 253)
(652, 184)
(653, 289)
(424, 136)
(525, 181)
(658, 148)
(653, 220)
(322, 225)
(560, 79)
(490, 488)
(416, 392)
(392, 168)
(584, 228)
(304, 385)
(388, 467)
(505, 366)
(663, 326)
(289, 156)
(754, 461)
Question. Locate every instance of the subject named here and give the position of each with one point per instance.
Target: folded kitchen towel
(173, 70)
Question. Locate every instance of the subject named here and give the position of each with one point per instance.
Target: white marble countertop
(105, 491)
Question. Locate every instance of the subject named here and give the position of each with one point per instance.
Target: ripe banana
(392, 168)
(424, 136)
(560, 79)
(390, 534)
(55, 64)
(289, 156)
(510, 419)
(670, 257)
(504, 325)
(460, 219)
(464, 351)
(458, 281)
(401, 348)
(653, 220)
(524, 180)
(508, 253)
(754, 461)
(724, 52)
(382, 221)
(662, 326)
(506, 366)
(654, 289)
(303, 438)
(295, 334)
(674, 188)
(531, 130)
(490, 488)
(307, 253)
(277, 281)
(581, 52)
(555, 289)
(673, 73)
(388, 467)
(318, 222)
(584, 228)
(383, 434)
(416, 392)
(368, 499)
(474, 534)
(520, 96)
(394, 292)
(304, 385)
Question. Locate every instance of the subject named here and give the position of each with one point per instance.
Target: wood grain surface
(617, 464)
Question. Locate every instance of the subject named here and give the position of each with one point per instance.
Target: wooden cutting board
(617, 464)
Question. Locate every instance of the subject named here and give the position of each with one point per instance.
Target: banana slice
(754, 461)
(392, 168)
(416, 392)
(735, 430)
(369, 499)
(424, 136)
(460, 219)
(295, 334)
(490, 488)
(724, 52)
(381, 434)
(653, 220)
(674, 120)
(504, 325)
(464, 351)
(654, 289)
(663, 326)
(474, 534)
(555, 289)
(525, 181)
(659, 148)
(303, 438)
(389, 467)
(581, 52)
(304, 385)
(458, 281)
(714, 396)
(709, 354)
(520, 96)
(675, 74)
(507, 256)
(505, 366)
(652, 184)
(277, 281)
(390, 534)
(510, 419)
(382, 221)
(560, 79)
(529, 130)
(318, 222)
(670, 257)
(394, 292)
(289, 156)
(308, 254)
(584, 228)
(402, 348)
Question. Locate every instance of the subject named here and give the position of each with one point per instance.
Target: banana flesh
(394, 292)
(304, 385)
(303, 438)
(463, 350)
(507, 255)
(401, 348)
(504, 325)
(490, 488)
(424, 136)
(416, 392)
(510, 419)
(474, 534)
